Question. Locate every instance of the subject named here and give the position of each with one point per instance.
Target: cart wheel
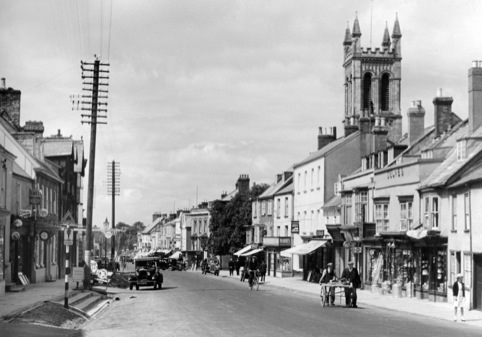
(322, 297)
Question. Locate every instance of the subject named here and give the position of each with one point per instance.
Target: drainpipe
(471, 255)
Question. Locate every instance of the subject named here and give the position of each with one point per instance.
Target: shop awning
(254, 251)
(176, 255)
(242, 251)
(304, 248)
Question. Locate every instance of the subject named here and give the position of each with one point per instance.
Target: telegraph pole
(92, 84)
(113, 188)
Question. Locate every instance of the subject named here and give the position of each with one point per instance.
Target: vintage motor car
(146, 273)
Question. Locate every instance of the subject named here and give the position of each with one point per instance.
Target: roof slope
(327, 149)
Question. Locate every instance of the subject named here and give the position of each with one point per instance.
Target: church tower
(372, 80)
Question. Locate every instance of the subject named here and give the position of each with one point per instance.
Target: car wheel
(137, 287)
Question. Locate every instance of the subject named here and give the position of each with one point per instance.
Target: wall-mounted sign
(35, 197)
(15, 236)
(44, 235)
(68, 237)
(320, 232)
(295, 227)
(395, 173)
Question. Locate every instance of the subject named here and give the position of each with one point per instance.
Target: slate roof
(327, 149)
(287, 189)
(450, 166)
(472, 175)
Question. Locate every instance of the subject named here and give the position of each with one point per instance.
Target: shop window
(374, 266)
(467, 211)
(406, 216)
(454, 212)
(381, 218)
(435, 214)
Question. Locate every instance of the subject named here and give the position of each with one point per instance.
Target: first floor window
(435, 212)
(381, 217)
(454, 212)
(406, 217)
(427, 212)
(467, 211)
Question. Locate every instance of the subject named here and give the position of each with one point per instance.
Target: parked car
(146, 273)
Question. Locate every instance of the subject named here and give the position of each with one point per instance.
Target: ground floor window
(431, 272)
(283, 264)
(467, 270)
(374, 266)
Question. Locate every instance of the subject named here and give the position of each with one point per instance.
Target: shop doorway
(478, 282)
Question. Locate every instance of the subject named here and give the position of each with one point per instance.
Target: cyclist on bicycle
(253, 267)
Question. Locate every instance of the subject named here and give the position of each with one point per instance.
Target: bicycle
(254, 284)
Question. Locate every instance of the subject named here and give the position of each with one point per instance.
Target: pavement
(36, 294)
(439, 310)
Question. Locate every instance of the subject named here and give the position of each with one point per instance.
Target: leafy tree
(229, 221)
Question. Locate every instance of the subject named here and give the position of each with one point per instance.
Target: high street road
(191, 304)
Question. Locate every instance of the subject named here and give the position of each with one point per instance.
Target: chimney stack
(416, 121)
(475, 96)
(442, 113)
(242, 185)
(4, 84)
(326, 137)
(10, 103)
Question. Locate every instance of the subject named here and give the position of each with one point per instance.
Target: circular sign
(108, 235)
(43, 212)
(44, 235)
(15, 236)
(93, 266)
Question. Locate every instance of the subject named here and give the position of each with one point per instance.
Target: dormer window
(461, 149)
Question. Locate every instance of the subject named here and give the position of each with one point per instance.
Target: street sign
(77, 274)
(68, 237)
(35, 197)
(67, 219)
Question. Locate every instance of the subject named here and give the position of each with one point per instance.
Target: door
(478, 282)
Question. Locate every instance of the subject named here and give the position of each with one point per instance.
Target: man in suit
(231, 267)
(351, 275)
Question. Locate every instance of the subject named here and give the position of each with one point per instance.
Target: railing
(277, 241)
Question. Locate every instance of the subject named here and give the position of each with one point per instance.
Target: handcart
(325, 289)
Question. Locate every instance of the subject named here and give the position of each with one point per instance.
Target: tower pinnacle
(397, 33)
(386, 38)
(347, 40)
(356, 27)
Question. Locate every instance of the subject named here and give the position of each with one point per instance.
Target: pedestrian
(204, 266)
(217, 267)
(87, 275)
(327, 277)
(252, 269)
(262, 271)
(351, 275)
(231, 267)
(237, 265)
(458, 290)
(193, 266)
(243, 275)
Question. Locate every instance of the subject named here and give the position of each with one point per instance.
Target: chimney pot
(439, 92)
(4, 84)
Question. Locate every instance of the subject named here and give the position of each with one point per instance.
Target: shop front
(278, 266)
(314, 255)
(402, 266)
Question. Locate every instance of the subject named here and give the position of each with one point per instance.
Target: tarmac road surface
(192, 304)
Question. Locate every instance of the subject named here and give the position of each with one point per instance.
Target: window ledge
(466, 230)
(453, 231)
(312, 189)
(318, 188)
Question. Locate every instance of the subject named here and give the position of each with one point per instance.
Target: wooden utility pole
(92, 83)
(113, 188)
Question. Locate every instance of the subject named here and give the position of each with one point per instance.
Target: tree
(229, 221)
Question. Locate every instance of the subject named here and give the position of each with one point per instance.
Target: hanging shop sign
(15, 236)
(68, 237)
(44, 235)
(295, 227)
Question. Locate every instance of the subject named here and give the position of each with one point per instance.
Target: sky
(203, 91)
